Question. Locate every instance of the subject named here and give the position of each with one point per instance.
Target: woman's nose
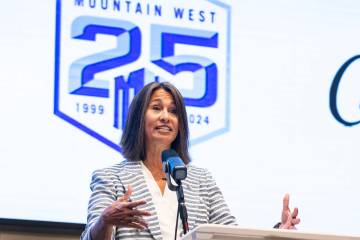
(164, 115)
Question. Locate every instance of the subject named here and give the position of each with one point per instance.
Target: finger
(135, 203)
(295, 221)
(295, 213)
(128, 220)
(286, 200)
(140, 220)
(129, 212)
(136, 212)
(128, 193)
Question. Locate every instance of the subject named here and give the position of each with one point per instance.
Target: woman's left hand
(288, 218)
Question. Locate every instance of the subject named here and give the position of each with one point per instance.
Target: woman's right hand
(123, 213)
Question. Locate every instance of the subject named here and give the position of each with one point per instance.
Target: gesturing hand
(288, 219)
(123, 213)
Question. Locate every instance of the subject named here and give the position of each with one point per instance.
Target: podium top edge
(256, 233)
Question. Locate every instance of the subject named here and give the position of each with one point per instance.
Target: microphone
(173, 164)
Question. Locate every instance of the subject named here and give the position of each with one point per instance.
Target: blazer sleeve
(219, 212)
(103, 194)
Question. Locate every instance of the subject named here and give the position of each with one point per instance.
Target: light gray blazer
(203, 199)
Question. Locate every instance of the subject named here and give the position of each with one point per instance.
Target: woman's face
(161, 121)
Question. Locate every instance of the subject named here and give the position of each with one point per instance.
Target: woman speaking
(131, 200)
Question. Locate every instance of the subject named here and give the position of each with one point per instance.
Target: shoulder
(111, 170)
(110, 176)
(115, 171)
(197, 170)
(199, 173)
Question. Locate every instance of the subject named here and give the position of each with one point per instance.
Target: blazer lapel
(133, 175)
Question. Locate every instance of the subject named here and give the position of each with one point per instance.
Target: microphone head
(173, 164)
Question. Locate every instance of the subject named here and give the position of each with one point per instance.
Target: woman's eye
(155, 107)
(173, 111)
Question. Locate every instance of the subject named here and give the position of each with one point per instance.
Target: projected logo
(344, 93)
(106, 51)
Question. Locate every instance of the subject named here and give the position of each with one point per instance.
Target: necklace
(155, 172)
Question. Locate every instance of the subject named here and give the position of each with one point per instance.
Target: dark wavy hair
(133, 137)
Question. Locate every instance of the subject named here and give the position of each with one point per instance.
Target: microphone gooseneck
(175, 168)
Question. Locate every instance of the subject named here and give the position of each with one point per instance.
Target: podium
(225, 232)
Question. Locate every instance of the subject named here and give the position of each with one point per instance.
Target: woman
(131, 199)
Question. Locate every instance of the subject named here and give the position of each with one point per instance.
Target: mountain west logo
(107, 50)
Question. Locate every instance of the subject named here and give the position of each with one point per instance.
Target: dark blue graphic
(334, 90)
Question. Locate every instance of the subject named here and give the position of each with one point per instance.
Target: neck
(153, 157)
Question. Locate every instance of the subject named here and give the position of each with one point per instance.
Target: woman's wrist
(101, 230)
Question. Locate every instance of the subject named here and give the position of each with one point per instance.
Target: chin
(165, 140)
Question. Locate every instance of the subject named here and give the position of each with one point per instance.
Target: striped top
(203, 198)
